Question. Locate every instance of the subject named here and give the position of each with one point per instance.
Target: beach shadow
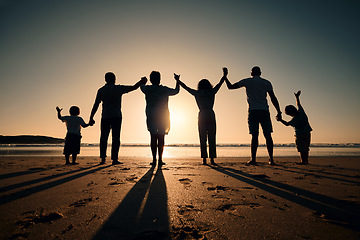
(332, 210)
(30, 171)
(34, 181)
(29, 191)
(310, 172)
(142, 214)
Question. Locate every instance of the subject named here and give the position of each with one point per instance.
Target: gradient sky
(57, 52)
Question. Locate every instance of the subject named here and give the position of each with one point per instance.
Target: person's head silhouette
(204, 84)
(110, 77)
(255, 71)
(155, 78)
(74, 111)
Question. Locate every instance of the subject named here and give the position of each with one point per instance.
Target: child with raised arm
(302, 128)
(205, 97)
(73, 135)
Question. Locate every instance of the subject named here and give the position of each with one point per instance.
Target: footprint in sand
(186, 182)
(39, 218)
(81, 202)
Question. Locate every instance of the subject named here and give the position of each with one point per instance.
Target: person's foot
(301, 163)
(161, 163)
(204, 162)
(74, 163)
(102, 161)
(153, 164)
(116, 162)
(251, 162)
(67, 163)
(272, 163)
(212, 162)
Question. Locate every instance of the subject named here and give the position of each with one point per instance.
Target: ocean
(183, 150)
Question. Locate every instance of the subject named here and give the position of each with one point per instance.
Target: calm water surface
(177, 152)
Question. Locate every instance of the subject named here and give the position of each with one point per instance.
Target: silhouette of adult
(111, 117)
(205, 98)
(257, 89)
(157, 113)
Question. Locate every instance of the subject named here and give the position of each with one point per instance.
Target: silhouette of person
(110, 96)
(257, 89)
(205, 98)
(73, 135)
(302, 128)
(157, 113)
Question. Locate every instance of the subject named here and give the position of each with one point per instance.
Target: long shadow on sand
(319, 174)
(30, 171)
(336, 211)
(38, 180)
(29, 191)
(142, 214)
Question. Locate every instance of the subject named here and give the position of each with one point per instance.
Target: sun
(178, 118)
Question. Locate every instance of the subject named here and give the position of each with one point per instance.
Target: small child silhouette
(302, 128)
(73, 135)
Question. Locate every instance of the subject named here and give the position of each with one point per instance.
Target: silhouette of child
(73, 135)
(157, 113)
(205, 97)
(302, 128)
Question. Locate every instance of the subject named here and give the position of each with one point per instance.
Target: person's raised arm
(190, 90)
(177, 87)
(142, 81)
(59, 112)
(297, 96)
(228, 83)
(275, 102)
(222, 80)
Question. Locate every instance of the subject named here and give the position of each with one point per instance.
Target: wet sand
(41, 198)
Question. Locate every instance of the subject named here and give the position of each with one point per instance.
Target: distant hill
(29, 139)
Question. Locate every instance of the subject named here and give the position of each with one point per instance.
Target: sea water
(180, 151)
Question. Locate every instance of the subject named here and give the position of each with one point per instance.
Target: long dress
(157, 110)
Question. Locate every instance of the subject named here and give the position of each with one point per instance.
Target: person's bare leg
(74, 159)
(270, 147)
(153, 146)
(67, 159)
(254, 147)
(161, 143)
(304, 156)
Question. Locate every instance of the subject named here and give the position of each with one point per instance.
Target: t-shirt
(256, 91)
(110, 96)
(300, 122)
(73, 124)
(157, 97)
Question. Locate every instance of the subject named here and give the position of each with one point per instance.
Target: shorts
(72, 144)
(259, 116)
(302, 142)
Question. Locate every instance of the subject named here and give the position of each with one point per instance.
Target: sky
(55, 53)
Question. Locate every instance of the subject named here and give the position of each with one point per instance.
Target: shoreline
(41, 198)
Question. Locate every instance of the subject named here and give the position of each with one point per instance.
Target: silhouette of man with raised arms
(111, 118)
(257, 89)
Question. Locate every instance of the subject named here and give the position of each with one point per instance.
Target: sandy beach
(41, 198)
